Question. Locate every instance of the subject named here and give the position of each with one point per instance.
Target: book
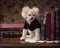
(42, 31)
(57, 26)
(11, 34)
(48, 26)
(52, 24)
(0, 36)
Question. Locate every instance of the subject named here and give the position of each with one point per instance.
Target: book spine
(48, 26)
(42, 32)
(57, 33)
(52, 25)
(0, 36)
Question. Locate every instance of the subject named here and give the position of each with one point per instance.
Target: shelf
(17, 42)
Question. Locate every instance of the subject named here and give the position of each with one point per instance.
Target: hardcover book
(52, 25)
(42, 31)
(57, 31)
(48, 26)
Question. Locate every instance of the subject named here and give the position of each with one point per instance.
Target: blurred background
(10, 10)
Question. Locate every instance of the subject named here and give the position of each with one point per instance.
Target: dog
(31, 25)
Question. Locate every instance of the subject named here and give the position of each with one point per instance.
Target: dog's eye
(33, 15)
(29, 15)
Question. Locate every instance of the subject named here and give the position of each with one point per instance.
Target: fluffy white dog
(32, 25)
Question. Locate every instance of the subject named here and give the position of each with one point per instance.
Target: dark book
(48, 26)
(11, 34)
(0, 36)
(57, 32)
(52, 25)
(42, 31)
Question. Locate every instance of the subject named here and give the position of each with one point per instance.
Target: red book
(52, 24)
(48, 26)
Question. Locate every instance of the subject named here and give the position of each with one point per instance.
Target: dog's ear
(24, 11)
(36, 12)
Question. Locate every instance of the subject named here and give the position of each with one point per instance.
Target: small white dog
(32, 25)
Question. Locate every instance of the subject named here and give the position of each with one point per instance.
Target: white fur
(24, 34)
(37, 34)
(27, 14)
(32, 33)
(24, 11)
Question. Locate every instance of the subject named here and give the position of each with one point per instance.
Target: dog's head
(29, 14)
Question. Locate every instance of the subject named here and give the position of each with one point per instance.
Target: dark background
(10, 10)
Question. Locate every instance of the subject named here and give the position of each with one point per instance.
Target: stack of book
(51, 31)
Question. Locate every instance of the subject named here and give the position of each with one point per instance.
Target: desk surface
(17, 42)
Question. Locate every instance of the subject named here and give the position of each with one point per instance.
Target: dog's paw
(22, 38)
(36, 39)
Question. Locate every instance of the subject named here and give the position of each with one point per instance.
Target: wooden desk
(17, 42)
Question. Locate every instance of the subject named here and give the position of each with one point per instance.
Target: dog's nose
(31, 18)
